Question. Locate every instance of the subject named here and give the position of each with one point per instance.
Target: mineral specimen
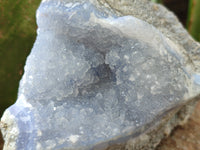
(98, 77)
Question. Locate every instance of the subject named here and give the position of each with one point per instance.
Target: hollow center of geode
(103, 74)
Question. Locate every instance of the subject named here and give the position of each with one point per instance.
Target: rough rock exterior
(103, 75)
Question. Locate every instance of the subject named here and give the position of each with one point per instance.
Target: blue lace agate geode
(93, 79)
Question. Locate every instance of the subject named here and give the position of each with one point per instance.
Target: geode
(103, 75)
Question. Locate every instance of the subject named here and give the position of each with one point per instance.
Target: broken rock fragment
(102, 75)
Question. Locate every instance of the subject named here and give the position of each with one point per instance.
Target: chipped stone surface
(185, 137)
(97, 76)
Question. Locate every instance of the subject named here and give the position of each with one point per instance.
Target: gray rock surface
(101, 73)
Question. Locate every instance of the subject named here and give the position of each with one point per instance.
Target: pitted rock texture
(95, 78)
(185, 137)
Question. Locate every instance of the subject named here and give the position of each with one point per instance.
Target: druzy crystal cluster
(95, 78)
